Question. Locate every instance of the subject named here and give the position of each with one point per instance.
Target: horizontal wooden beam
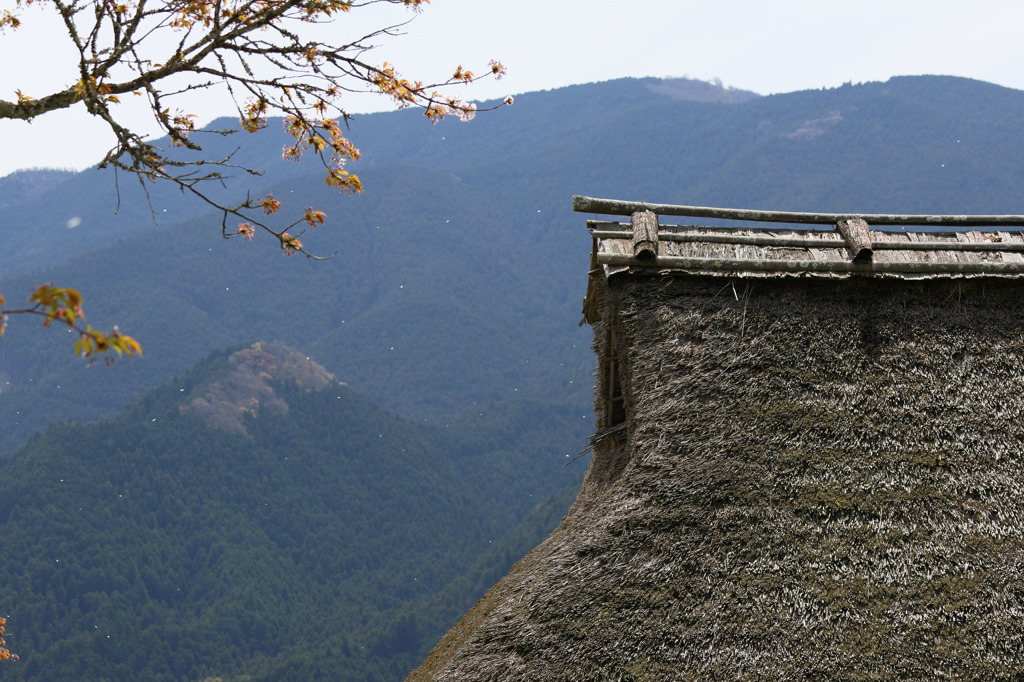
(747, 240)
(583, 204)
(809, 243)
(776, 265)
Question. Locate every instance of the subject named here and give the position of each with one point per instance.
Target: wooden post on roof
(858, 238)
(645, 235)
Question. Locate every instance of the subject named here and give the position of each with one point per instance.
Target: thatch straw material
(819, 479)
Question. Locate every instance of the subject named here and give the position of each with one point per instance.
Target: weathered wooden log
(583, 204)
(1009, 247)
(774, 265)
(811, 243)
(858, 237)
(645, 235)
(746, 240)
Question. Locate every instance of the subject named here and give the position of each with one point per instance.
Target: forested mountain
(453, 301)
(460, 270)
(328, 539)
(25, 185)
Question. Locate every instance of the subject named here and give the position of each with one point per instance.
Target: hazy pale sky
(767, 47)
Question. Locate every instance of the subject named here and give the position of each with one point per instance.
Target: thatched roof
(818, 478)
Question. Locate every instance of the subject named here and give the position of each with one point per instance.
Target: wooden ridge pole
(582, 204)
(774, 265)
(824, 243)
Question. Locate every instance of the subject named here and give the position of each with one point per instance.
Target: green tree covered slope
(330, 537)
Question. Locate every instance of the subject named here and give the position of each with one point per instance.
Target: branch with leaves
(259, 53)
(263, 55)
(64, 306)
(5, 654)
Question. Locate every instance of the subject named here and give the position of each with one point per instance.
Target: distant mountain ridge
(24, 185)
(692, 90)
(460, 270)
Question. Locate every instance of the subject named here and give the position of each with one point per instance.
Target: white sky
(767, 47)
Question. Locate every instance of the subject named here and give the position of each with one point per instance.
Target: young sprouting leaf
(290, 244)
(314, 218)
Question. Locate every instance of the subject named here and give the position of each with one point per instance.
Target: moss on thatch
(818, 480)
